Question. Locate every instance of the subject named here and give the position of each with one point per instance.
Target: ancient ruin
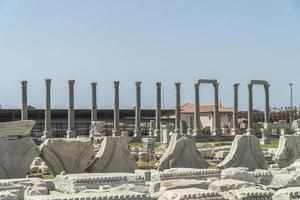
(166, 163)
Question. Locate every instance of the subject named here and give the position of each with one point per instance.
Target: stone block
(288, 150)
(70, 155)
(16, 128)
(157, 189)
(229, 184)
(191, 194)
(186, 173)
(291, 193)
(97, 196)
(238, 174)
(74, 183)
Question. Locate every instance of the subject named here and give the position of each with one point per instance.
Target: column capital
(94, 84)
(177, 84)
(158, 84)
(196, 84)
(116, 83)
(138, 83)
(48, 81)
(216, 84)
(267, 86)
(250, 85)
(24, 83)
(71, 82)
(236, 85)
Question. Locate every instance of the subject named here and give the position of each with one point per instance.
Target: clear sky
(167, 41)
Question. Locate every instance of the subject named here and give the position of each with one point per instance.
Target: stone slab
(70, 155)
(186, 173)
(191, 194)
(16, 128)
(74, 183)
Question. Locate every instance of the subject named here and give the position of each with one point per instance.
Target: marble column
(158, 112)
(24, 111)
(177, 110)
(48, 131)
(267, 103)
(250, 109)
(137, 129)
(190, 125)
(116, 129)
(183, 127)
(235, 124)
(217, 122)
(71, 133)
(196, 130)
(94, 106)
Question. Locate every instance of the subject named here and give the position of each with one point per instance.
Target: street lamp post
(291, 103)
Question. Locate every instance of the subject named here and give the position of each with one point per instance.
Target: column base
(266, 136)
(196, 132)
(71, 133)
(115, 132)
(157, 135)
(235, 131)
(217, 132)
(47, 134)
(250, 131)
(137, 133)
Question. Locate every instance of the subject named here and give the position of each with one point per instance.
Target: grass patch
(274, 144)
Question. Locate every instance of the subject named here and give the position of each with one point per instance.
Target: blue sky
(167, 41)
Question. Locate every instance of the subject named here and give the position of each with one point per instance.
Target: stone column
(267, 103)
(116, 129)
(158, 112)
(250, 109)
(190, 125)
(217, 122)
(266, 131)
(24, 111)
(71, 133)
(235, 117)
(48, 131)
(177, 110)
(196, 130)
(137, 129)
(94, 106)
(183, 127)
(151, 128)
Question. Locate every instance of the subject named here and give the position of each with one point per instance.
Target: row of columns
(197, 125)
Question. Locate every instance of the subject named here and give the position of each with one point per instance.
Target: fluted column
(116, 129)
(250, 109)
(158, 112)
(196, 130)
(217, 122)
(177, 110)
(267, 103)
(24, 110)
(137, 129)
(48, 131)
(94, 106)
(235, 117)
(71, 133)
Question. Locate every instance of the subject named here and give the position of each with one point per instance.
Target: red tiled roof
(189, 108)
